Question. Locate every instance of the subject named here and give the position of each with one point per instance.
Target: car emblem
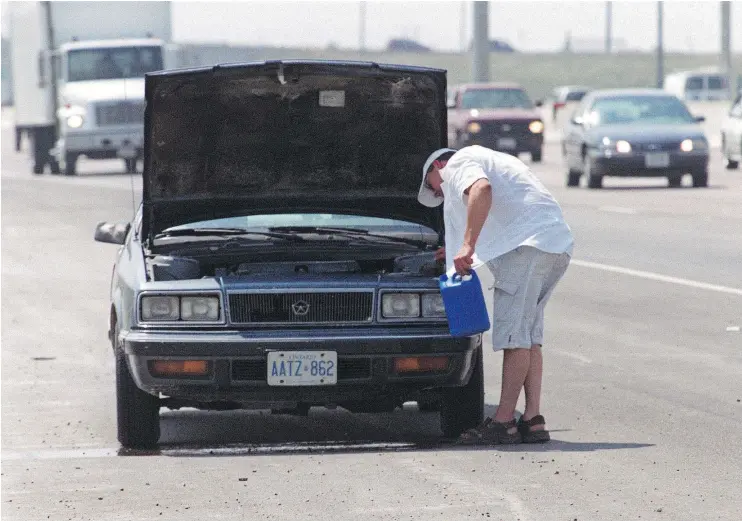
(652, 147)
(300, 308)
(506, 128)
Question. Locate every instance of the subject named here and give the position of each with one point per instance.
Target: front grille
(121, 113)
(506, 128)
(300, 308)
(255, 370)
(656, 147)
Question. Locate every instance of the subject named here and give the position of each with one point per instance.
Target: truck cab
(101, 99)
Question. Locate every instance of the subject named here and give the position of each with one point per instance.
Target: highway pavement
(642, 387)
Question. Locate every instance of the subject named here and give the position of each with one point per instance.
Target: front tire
(594, 180)
(536, 155)
(70, 164)
(732, 164)
(573, 178)
(674, 181)
(138, 413)
(462, 408)
(701, 179)
(131, 166)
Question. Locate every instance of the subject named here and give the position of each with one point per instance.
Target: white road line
(658, 277)
(568, 354)
(617, 209)
(733, 329)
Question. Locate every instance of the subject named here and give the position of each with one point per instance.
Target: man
(497, 212)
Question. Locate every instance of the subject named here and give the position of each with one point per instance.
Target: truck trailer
(78, 78)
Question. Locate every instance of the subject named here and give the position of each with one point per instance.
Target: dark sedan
(635, 133)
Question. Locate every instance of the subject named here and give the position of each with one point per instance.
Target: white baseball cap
(426, 196)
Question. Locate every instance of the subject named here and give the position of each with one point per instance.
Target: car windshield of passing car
(501, 98)
(640, 110)
(280, 259)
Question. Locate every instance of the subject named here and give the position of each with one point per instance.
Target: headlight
(160, 308)
(433, 305)
(473, 127)
(689, 145)
(623, 147)
(536, 127)
(75, 121)
(199, 308)
(400, 305)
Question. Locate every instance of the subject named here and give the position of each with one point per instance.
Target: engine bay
(180, 267)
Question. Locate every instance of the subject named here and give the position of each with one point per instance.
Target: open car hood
(290, 136)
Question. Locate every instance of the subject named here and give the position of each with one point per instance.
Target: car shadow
(192, 433)
(659, 187)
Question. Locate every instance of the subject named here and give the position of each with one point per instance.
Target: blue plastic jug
(464, 304)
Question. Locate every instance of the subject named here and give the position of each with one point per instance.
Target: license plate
(293, 368)
(657, 160)
(507, 143)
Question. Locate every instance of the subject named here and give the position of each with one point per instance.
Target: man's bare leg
(515, 365)
(532, 386)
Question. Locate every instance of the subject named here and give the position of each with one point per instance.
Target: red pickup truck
(500, 116)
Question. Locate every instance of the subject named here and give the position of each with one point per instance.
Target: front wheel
(536, 155)
(701, 179)
(138, 413)
(674, 181)
(462, 408)
(594, 179)
(131, 166)
(70, 164)
(732, 164)
(573, 178)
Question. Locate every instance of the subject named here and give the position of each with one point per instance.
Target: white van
(698, 85)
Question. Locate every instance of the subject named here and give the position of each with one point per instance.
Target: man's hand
(463, 260)
(440, 254)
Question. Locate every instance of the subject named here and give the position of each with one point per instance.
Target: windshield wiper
(348, 232)
(183, 232)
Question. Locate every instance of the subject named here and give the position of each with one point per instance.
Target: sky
(528, 25)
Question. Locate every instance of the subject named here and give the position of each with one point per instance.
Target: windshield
(639, 109)
(323, 220)
(495, 99)
(113, 63)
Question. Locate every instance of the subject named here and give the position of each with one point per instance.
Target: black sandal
(490, 432)
(529, 436)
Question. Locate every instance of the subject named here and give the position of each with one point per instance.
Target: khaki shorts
(524, 281)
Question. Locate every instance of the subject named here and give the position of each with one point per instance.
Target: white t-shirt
(523, 212)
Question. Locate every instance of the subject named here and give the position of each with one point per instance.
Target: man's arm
(478, 207)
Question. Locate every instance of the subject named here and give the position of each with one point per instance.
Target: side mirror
(451, 104)
(700, 119)
(539, 103)
(113, 233)
(577, 120)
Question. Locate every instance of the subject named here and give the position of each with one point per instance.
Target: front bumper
(635, 164)
(238, 361)
(101, 143)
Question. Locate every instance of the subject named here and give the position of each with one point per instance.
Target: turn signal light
(420, 364)
(171, 368)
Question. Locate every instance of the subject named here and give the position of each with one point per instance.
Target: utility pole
(660, 52)
(362, 27)
(726, 39)
(480, 58)
(608, 27)
(462, 27)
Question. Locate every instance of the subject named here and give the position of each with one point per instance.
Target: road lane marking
(733, 329)
(568, 354)
(617, 209)
(658, 277)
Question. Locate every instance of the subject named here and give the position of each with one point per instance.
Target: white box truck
(78, 77)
